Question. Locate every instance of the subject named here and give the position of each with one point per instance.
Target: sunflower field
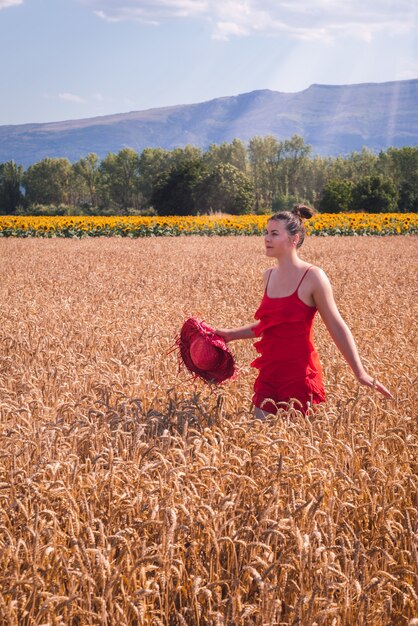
(135, 226)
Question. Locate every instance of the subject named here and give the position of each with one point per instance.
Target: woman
(293, 292)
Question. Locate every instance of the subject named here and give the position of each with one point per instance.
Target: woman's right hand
(224, 333)
(243, 332)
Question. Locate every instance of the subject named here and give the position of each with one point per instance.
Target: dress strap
(300, 282)
(268, 280)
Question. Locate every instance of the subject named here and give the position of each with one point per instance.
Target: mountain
(334, 120)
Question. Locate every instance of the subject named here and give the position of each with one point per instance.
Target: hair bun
(303, 211)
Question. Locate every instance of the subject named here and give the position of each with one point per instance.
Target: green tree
(225, 189)
(120, 175)
(188, 154)
(11, 197)
(360, 164)
(86, 180)
(285, 203)
(48, 182)
(174, 193)
(408, 196)
(262, 154)
(154, 164)
(337, 195)
(316, 173)
(234, 153)
(375, 194)
(401, 164)
(292, 158)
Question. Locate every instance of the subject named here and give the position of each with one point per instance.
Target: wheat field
(133, 495)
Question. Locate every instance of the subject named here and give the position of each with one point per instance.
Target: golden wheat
(130, 494)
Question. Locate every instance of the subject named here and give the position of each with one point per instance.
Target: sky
(74, 59)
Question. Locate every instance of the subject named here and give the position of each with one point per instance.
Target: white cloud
(225, 29)
(148, 11)
(71, 97)
(408, 69)
(301, 19)
(5, 4)
(74, 98)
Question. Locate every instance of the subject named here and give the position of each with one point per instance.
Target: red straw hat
(204, 353)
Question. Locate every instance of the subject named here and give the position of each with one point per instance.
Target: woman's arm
(339, 331)
(243, 332)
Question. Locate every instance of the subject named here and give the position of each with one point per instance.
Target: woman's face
(276, 238)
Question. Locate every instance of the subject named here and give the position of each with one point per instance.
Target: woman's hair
(294, 220)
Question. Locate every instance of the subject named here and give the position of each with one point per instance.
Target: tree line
(262, 176)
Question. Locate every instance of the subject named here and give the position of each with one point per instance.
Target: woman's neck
(289, 261)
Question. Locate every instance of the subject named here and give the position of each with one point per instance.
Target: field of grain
(133, 495)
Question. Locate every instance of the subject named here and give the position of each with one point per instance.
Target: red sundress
(288, 364)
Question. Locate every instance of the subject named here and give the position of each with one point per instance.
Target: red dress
(288, 362)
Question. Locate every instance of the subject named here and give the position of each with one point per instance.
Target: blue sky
(72, 59)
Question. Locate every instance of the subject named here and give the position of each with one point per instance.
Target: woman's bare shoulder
(318, 276)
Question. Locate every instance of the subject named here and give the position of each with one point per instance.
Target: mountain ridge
(333, 119)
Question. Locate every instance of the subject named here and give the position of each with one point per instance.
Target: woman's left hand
(369, 381)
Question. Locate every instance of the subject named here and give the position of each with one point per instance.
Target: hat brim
(225, 368)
